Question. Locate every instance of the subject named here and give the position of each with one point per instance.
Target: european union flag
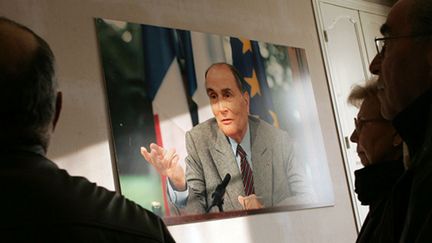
(248, 60)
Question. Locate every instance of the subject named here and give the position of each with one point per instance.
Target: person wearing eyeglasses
(404, 62)
(379, 148)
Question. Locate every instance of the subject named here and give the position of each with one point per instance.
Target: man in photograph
(258, 156)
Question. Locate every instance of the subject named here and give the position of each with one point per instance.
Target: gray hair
(27, 96)
(360, 92)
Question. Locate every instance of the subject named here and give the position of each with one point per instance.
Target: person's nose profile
(375, 66)
(354, 136)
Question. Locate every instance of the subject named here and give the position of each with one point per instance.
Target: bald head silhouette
(28, 90)
(17, 46)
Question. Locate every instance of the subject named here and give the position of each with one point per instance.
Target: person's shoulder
(265, 127)
(65, 201)
(99, 208)
(206, 127)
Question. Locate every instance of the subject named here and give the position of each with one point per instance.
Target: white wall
(81, 143)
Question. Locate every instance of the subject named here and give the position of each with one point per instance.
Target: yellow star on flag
(253, 82)
(246, 45)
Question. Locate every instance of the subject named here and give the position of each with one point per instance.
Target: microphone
(219, 193)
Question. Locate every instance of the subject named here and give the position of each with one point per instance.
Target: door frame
(362, 6)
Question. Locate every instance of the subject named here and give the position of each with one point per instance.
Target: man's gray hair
(360, 92)
(27, 95)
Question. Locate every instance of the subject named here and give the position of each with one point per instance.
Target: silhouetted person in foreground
(40, 202)
(404, 64)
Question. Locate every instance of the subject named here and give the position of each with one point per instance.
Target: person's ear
(247, 99)
(397, 140)
(58, 107)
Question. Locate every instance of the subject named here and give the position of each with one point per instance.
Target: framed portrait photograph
(207, 126)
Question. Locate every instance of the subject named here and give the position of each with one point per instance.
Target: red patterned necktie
(246, 171)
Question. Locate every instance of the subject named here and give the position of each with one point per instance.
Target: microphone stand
(217, 203)
(218, 194)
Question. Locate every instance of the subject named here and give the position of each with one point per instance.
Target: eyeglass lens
(379, 45)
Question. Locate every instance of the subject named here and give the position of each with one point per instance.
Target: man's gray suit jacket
(277, 175)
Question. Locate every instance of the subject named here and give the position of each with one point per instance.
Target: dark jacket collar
(374, 182)
(36, 149)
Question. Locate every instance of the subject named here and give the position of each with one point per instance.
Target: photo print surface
(157, 93)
